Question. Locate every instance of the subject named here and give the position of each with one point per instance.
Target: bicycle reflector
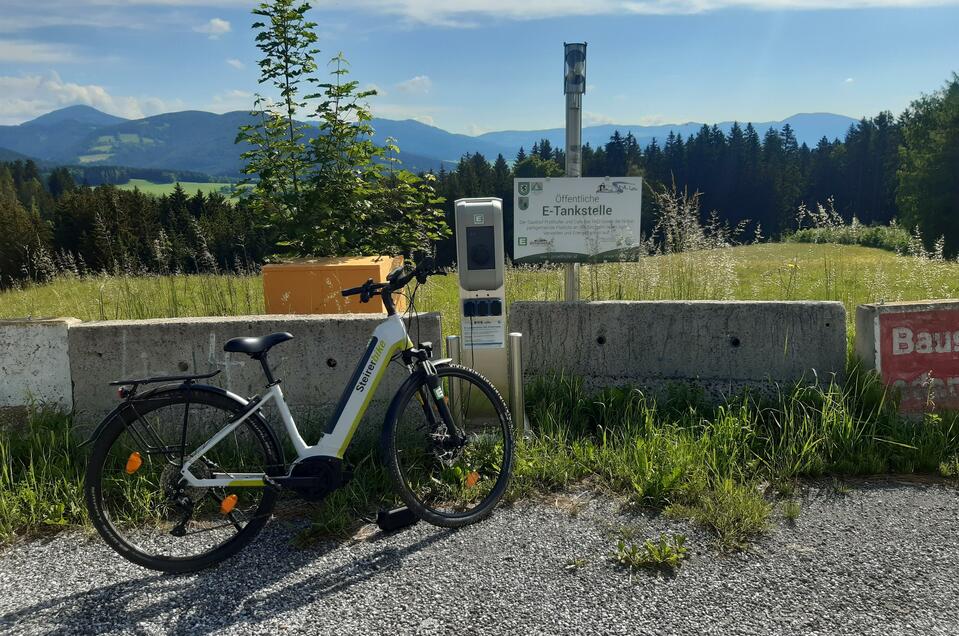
(134, 461)
(228, 504)
(471, 479)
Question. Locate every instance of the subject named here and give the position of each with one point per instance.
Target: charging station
(481, 261)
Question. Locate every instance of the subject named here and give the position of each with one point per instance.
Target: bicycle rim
(445, 480)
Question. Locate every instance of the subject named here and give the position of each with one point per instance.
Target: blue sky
(477, 65)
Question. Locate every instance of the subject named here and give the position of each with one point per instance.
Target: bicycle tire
(391, 457)
(111, 432)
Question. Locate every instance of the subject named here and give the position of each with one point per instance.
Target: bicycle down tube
(388, 337)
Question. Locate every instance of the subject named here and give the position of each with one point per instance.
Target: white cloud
(214, 28)
(421, 84)
(28, 52)
(653, 120)
(848, 80)
(235, 63)
(231, 100)
(420, 113)
(28, 96)
(595, 119)
(475, 129)
(464, 12)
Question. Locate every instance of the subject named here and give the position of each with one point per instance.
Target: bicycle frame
(388, 337)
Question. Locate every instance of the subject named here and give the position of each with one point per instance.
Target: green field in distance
(190, 187)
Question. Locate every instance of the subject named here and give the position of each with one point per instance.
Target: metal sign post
(574, 85)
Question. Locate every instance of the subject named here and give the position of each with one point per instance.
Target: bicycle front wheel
(450, 478)
(144, 509)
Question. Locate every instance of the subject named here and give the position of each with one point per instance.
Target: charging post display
(481, 262)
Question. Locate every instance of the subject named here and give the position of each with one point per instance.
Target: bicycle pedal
(396, 519)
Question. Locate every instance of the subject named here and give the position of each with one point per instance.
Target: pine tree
(928, 188)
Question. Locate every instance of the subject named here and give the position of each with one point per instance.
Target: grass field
(774, 271)
(190, 187)
(728, 467)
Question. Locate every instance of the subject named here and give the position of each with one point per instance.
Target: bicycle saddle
(254, 346)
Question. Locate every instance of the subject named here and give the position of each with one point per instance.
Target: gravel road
(882, 558)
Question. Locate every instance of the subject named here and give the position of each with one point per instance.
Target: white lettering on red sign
(919, 354)
(905, 342)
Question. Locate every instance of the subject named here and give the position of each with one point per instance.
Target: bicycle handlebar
(423, 270)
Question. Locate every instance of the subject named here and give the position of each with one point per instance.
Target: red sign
(919, 354)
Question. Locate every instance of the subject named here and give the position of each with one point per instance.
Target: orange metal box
(312, 286)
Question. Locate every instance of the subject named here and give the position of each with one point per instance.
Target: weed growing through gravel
(792, 509)
(734, 512)
(667, 552)
(575, 563)
(950, 467)
(840, 487)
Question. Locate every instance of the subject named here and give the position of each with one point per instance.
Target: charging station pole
(574, 86)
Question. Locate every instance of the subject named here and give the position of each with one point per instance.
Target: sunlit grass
(771, 271)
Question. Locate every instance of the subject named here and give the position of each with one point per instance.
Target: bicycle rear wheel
(139, 502)
(444, 480)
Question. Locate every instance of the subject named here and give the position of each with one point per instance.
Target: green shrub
(887, 237)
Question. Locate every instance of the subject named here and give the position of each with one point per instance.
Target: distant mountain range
(204, 142)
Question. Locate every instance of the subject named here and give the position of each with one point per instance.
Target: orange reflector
(134, 461)
(228, 504)
(471, 479)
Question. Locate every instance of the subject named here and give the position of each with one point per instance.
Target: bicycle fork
(433, 394)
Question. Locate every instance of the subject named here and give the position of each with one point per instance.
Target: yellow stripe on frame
(246, 483)
(369, 396)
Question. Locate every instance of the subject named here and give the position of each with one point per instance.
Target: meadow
(766, 271)
(190, 187)
(733, 467)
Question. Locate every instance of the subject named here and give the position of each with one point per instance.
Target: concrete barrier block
(34, 365)
(915, 347)
(722, 346)
(314, 367)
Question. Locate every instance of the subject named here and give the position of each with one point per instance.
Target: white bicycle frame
(388, 337)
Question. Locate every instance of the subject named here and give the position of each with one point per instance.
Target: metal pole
(574, 168)
(453, 352)
(517, 392)
(453, 348)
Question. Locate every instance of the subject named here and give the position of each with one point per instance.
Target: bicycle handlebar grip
(364, 288)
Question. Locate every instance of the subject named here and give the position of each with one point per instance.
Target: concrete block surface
(314, 367)
(34, 364)
(723, 346)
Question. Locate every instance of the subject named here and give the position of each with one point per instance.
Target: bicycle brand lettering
(368, 371)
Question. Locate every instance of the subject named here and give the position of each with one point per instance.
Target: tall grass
(708, 461)
(41, 472)
(712, 463)
(105, 297)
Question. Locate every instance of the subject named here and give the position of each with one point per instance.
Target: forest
(886, 168)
